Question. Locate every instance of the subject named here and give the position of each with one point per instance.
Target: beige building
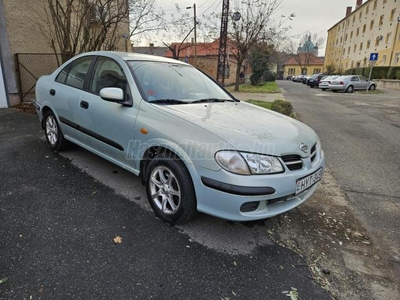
(25, 31)
(372, 27)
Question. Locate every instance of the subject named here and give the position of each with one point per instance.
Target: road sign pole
(370, 72)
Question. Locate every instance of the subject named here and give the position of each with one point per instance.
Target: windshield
(171, 83)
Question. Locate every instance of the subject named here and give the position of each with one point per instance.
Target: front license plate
(306, 182)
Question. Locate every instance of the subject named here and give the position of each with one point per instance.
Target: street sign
(373, 57)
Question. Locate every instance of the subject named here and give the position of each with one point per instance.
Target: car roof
(135, 56)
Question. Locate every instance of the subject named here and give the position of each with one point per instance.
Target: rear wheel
(170, 189)
(323, 89)
(54, 135)
(372, 87)
(350, 89)
(335, 91)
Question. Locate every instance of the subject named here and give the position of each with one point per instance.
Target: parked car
(349, 83)
(326, 81)
(289, 77)
(194, 145)
(314, 79)
(304, 79)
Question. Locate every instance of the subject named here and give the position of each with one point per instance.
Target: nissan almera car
(194, 146)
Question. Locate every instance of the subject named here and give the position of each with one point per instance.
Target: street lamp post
(195, 33)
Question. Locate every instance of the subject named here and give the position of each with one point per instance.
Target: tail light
(329, 82)
(341, 83)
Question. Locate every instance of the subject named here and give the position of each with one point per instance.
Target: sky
(316, 16)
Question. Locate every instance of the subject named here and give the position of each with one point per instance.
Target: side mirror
(112, 94)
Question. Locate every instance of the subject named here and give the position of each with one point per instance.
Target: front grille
(292, 162)
(313, 154)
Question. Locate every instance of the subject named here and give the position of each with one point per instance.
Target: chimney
(348, 10)
(358, 3)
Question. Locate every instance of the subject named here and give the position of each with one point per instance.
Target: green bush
(283, 107)
(392, 73)
(398, 74)
(268, 76)
(255, 78)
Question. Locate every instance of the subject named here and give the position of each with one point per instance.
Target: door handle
(52, 92)
(84, 104)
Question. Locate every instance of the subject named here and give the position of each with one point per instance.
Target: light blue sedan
(195, 147)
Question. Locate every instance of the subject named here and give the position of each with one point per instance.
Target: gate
(30, 66)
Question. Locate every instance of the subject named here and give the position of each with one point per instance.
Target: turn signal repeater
(144, 130)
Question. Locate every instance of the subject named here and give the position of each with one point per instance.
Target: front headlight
(232, 161)
(248, 163)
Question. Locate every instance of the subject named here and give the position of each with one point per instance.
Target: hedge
(377, 72)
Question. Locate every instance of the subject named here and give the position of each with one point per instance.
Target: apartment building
(372, 27)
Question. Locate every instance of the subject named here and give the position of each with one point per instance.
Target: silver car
(350, 83)
(326, 81)
(194, 146)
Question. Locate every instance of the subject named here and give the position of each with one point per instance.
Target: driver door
(109, 125)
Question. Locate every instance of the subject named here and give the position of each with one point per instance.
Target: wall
(3, 95)
(388, 84)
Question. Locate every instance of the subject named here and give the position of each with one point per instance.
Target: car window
(107, 73)
(77, 73)
(63, 74)
(362, 78)
(354, 78)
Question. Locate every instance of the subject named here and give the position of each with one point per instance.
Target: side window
(63, 74)
(354, 78)
(107, 73)
(77, 73)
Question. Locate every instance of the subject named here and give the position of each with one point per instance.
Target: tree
(76, 26)
(260, 60)
(180, 27)
(253, 27)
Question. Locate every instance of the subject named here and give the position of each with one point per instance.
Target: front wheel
(170, 189)
(372, 87)
(54, 136)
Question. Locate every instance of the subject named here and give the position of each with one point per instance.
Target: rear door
(65, 93)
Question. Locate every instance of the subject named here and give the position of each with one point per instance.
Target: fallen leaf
(117, 240)
(3, 280)
(94, 193)
(235, 263)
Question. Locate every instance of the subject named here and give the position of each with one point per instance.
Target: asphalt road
(59, 215)
(360, 135)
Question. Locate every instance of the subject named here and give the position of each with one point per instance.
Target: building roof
(303, 57)
(151, 50)
(350, 14)
(202, 49)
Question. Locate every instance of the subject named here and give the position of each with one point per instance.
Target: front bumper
(266, 195)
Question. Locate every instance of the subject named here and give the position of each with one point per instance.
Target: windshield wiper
(168, 101)
(212, 100)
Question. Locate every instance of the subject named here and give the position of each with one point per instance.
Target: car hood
(248, 127)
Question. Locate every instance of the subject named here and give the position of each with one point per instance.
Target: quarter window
(77, 73)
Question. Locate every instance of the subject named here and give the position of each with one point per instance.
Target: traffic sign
(373, 57)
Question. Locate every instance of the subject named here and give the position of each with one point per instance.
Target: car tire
(372, 87)
(170, 190)
(350, 89)
(323, 89)
(54, 136)
(335, 91)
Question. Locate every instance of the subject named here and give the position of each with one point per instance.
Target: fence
(30, 66)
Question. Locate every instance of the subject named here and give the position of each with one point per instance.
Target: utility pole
(195, 32)
(222, 43)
